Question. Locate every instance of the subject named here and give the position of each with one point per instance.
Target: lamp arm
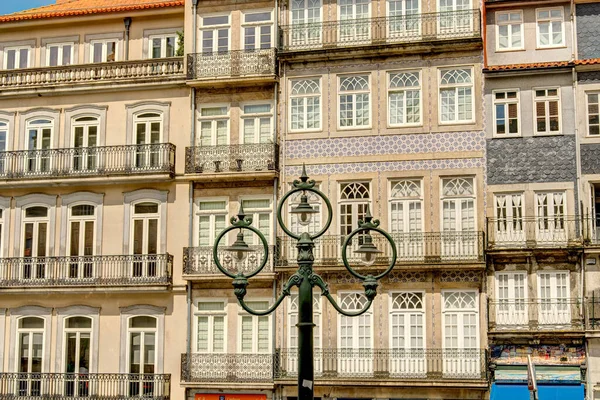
(347, 313)
(370, 285)
(294, 280)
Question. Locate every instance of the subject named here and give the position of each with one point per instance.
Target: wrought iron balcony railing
(227, 367)
(592, 312)
(414, 364)
(534, 232)
(40, 386)
(117, 270)
(136, 159)
(232, 158)
(199, 261)
(412, 248)
(535, 315)
(120, 71)
(232, 64)
(413, 28)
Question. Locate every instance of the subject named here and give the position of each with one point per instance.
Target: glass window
(214, 126)
(212, 219)
(509, 29)
(509, 218)
(103, 50)
(550, 27)
(404, 98)
(456, 95)
(506, 113)
(355, 199)
(78, 335)
(214, 33)
(355, 335)
(59, 54)
(257, 123)
(211, 320)
(258, 29)
(305, 17)
(547, 110)
(255, 331)
(305, 104)
(261, 212)
(148, 133)
(85, 139)
(354, 101)
(17, 57)
(458, 205)
(141, 354)
(461, 321)
(30, 350)
(593, 114)
(145, 239)
(162, 46)
(408, 324)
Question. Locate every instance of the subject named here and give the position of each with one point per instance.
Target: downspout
(127, 22)
(484, 32)
(194, 37)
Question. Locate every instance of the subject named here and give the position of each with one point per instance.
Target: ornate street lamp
(305, 278)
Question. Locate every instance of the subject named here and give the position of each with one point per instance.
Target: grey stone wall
(590, 158)
(531, 159)
(588, 30)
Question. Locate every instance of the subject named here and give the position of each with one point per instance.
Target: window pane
(142, 322)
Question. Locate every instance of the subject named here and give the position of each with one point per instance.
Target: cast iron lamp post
(305, 278)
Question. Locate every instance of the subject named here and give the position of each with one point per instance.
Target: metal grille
(232, 158)
(233, 63)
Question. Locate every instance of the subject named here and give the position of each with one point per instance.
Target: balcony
(539, 315)
(88, 162)
(412, 249)
(534, 232)
(227, 368)
(240, 66)
(198, 262)
(388, 364)
(139, 270)
(38, 386)
(416, 30)
(592, 314)
(82, 76)
(261, 158)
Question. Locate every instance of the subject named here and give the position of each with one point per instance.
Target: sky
(10, 6)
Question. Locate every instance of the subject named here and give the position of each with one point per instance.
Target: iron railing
(41, 386)
(232, 158)
(117, 270)
(227, 367)
(534, 232)
(123, 71)
(199, 261)
(412, 28)
(592, 312)
(136, 159)
(412, 248)
(414, 364)
(535, 315)
(232, 63)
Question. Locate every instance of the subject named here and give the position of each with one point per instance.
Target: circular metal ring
(318, 193)
(356, 232)
(229, 229)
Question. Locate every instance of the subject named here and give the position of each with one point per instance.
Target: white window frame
(17, 50)
(257, 25)
(546, 99)
(474, 310)
(4, 226)
(60, 54)
(19, 331)
(78, 311)
(407, 312)
(82, 218)
(368, 313)
(137, 311)
(406, 201)
(22, 312)
(305, 97)
(404, 90)
(36, 221)
(596, 114)
(130, 330)
(255, 318)
(510, 232)
(354, 93)
(104, 55)
(455, 87)
(211, 214)
(163, 45)
(254, 212)
(506, 102)
(553, 276)
(367, 201)
(509, 23)
(213, 119)
(359, 27)
(256, 117)
(303, 32)
(146, 217)
(549, 21)
(213, 28)
(405, 20)
(210, 314)
(65, 331)
(457, 199)
(142, 196)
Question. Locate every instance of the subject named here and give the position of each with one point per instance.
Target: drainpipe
(194, 37)
(127, 22)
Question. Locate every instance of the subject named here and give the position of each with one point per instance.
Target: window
(77, 355)
(459, 239)
(354, 101)
(17, 57)
(354, 20)
(305, 104)
(211, 319)
(547, 109)
(455, 16)
(355, 199)
(2, 231)
(162, 46)
(145, 238)
(553, 293)
(404, 18)
(550, 27)
(406, 200)
(85, 139)
(306, 18)
(292, 317)
(260, 210)
(255, 331)
(35, 242)
(257, 123)
(550, 216)
(461, 320)
(355, 335)
(509, 30)
(3, 140)
(215, 33)
(148, 133)
(212, 219)
(39, 138)
(509, 218)
(407, 328)
(82, 243)
(315, 223)
(103, 50)
(456, 95)
(59, 54)
(592, 108)
(142, 358)
(404, 98)
(506, 112)
(30, 334)
(258, 27)
(511, 304)
(214, 126)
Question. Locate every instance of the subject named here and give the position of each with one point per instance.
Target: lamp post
(305, 278)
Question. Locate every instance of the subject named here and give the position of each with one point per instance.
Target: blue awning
(545, 392)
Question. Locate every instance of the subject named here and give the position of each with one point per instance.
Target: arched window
(148, 132)
(77, 356)
(81, 240)
(30, 350)
(35, 242)
(145, 237)
(355, 198)
(355, 338)
(39, 138)
(85, 137)
(142, 335)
